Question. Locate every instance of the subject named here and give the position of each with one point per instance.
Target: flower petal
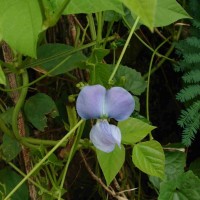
(90, 102)
(105, 136)
(119, 103)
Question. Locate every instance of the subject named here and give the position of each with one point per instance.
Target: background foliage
(50, 49)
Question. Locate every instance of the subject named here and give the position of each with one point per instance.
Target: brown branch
(98, 180)
(9, 58)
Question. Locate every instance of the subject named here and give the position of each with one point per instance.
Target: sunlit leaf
(111, 163)
(149, 158)
(20, 25)
(154, 13)
(2, 77)
(88, 6)
(134, 130)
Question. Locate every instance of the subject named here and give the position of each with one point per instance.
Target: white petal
(105, 136)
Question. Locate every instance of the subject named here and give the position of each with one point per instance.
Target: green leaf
(49, 50)
(102, 74)
(111, 163)
(134, 130)
(20, 25)
(10, 148)
(154, 13)
(97, 55)
(88, 6)
(195, 167)
(7, 116)
(37, 107)
(130, 79)
(111, 16)
(175, 162)
(10, 179)
(2, 77)
(149, 158)
(185, 187)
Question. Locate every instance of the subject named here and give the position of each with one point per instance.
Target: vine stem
(37, 166)
(123, 51)
(72, 152)
(18, 98)
(148, 81)
(17, 115)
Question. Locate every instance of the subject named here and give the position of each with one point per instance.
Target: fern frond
(192, 58)
(196, 24)
(192, 76)
(190, 131)
(193, 41)
(188, 93)
(190, 64)
(189, 115)
(190, 121)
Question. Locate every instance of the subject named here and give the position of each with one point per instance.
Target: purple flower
(95, 102)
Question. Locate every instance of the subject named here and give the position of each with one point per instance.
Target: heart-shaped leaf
(149, 158)
(111, 163)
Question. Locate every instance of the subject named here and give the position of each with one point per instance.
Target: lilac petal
(119, 103)
(90, 102)
(105, 136)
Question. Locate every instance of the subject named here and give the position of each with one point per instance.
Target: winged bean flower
(95, 102)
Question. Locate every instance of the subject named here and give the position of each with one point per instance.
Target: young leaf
(154, 13)
(20, 25)
(37, 107)
(111, 163)
(2, 77)
(149, 158)
(134, 130)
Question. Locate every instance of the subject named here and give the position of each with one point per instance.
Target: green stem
(37, 166)
(109, 28)
(33, 182)
(42, 142)
(19, 105)
(99, 27)
(148, 82)
(145, 76)
(151, 49)
(45, 60)
(72, 152)
(92, 27)
(123, 50)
